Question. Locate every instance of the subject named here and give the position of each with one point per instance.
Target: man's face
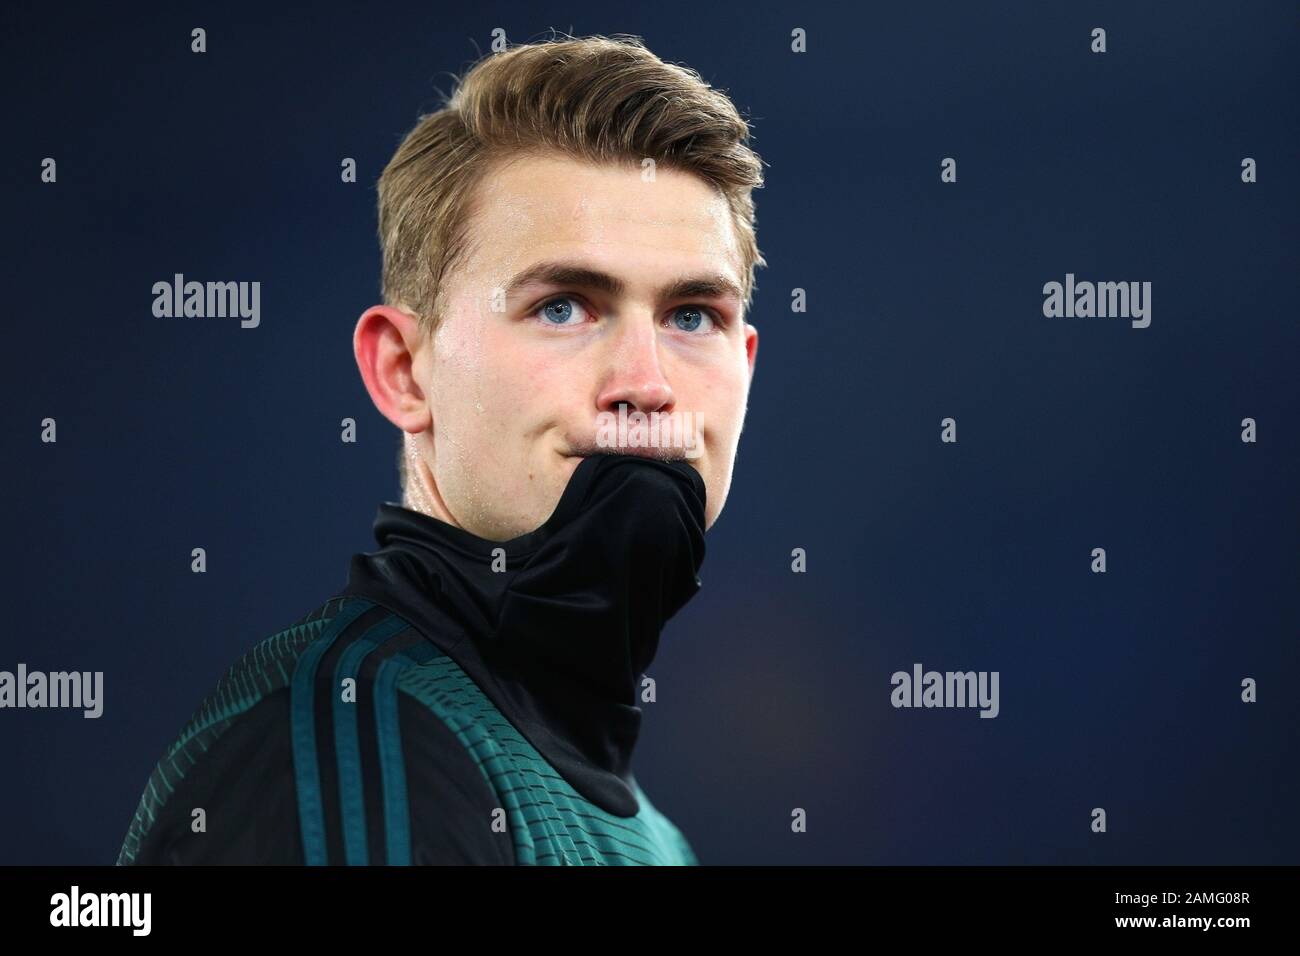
(519, 374)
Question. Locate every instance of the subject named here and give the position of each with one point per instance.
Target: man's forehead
(579, 201)
(603, 218)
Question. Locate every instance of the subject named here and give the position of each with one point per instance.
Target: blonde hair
(600, 99)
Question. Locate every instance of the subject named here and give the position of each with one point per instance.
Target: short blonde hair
(600, 99)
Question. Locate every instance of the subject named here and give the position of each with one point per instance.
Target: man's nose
(635, 374)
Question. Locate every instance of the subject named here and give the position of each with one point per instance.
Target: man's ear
(751, 347)
(388, 344)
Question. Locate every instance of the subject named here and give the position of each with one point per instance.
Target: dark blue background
(1118, 690)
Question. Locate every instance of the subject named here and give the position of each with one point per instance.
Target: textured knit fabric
(435, 713)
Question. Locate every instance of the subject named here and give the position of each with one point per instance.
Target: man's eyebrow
(716, 286)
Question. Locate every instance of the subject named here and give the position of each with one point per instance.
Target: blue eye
(689, 317)
(558, 311)
(565, 310)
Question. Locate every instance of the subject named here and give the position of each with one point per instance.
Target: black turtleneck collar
(559, 639)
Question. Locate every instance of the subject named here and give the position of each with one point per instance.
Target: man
(568, 261)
